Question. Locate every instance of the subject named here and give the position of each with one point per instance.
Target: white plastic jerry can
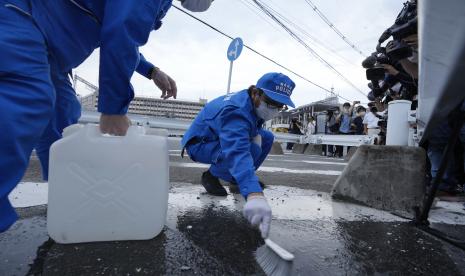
(107, 188)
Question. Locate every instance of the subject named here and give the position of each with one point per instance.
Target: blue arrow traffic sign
(235, 49)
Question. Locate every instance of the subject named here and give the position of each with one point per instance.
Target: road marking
(279, 160)
(299, 204)
(282, 160)
(172, 153)
(28, 194)
(294, 171)
(308, 161)
(261, 169)
(286, 202)
(307, 156)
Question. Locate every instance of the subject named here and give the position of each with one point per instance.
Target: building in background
(177, 109)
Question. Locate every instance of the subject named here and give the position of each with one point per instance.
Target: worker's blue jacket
(73, 29)
(40, 42)
(231, 120)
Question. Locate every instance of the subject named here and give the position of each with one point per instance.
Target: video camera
(405, 25)
(375, 73)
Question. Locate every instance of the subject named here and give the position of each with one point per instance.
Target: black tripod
(456, 120)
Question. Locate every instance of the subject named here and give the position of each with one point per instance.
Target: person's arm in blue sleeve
(126, 26)
(144, 67)
(235, 145)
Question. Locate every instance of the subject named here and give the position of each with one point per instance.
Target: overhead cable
(333, 27)
(269, 13)
(260, 54)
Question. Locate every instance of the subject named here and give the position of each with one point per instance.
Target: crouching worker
(228, 135)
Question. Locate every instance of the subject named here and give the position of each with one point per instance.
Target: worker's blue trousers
(36, 102)
(210, 153)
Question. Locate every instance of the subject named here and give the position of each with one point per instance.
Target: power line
(315, 40)
(251, 7)
(333, 27)
(270, 14)
(260, 54)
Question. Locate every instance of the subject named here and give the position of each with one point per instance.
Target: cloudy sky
(195, 55)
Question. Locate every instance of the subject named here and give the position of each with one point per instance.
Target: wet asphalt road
(205, 235)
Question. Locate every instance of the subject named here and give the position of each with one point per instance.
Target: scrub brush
(274, 260)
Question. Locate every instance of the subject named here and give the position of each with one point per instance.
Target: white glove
(258, 213)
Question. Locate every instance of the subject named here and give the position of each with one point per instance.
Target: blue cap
(278, 87)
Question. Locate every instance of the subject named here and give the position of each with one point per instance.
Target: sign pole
(234, 51)
(230, 75)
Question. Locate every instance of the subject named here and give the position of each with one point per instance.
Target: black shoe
(234, 188)
(213, 185)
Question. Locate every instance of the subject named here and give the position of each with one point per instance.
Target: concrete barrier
(276, 148)
(312, 149)
(299, 148)
(350, 153)
(389, 178)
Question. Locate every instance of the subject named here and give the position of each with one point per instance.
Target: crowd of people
(354, 119)
(393, 74)
(351, 119)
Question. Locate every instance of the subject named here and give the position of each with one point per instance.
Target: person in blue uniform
(41, 41)
(228, 135)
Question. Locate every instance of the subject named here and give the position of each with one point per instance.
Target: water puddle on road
(287, 203)
(208, 235)
(327, 237)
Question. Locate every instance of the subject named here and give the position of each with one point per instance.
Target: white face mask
(196, 5)
(266, 113)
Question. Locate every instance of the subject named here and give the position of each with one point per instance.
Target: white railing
(338, 140)
(141, 120)
(287, 137)
(178, 127)
(174, 126)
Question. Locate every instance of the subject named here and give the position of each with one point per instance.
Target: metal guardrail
(287, 137)
(141, 120)
(174, 126)
(178, 127)
(338, 140)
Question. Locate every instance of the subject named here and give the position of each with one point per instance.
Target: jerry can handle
(93, 131)
(135, 131)
(72, 129)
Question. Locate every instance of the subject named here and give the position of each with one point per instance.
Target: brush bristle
(271, 263)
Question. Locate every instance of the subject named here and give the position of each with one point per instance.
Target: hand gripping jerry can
(107, 188)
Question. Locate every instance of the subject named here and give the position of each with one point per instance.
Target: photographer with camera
(396, 63)
(345, 120)
(411, 64)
